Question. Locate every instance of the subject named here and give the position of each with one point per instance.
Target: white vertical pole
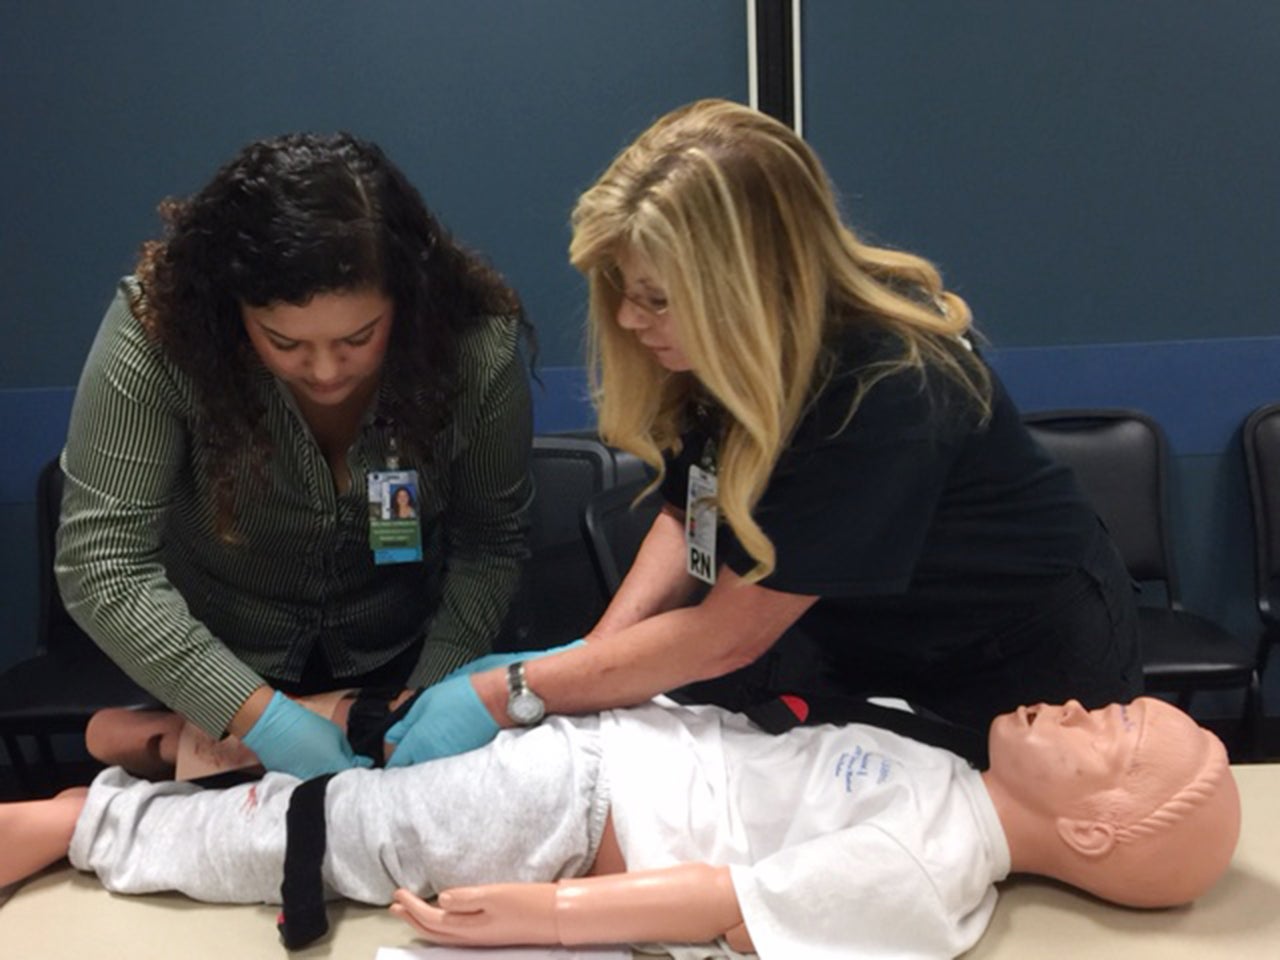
(797, 66)
(753, 72)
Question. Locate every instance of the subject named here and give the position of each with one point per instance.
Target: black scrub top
(922, 529)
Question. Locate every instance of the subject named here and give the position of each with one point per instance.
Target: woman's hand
(449, 717)
(290, 738)
(446, 719)
(494, 915)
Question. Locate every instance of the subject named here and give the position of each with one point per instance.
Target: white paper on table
(500, 953)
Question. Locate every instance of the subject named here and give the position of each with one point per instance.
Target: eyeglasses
(649, 303)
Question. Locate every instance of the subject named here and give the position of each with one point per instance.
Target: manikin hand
(494, 915)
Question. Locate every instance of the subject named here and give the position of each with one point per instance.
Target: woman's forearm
(126, 443)
(730, 628)
(250, 711)
(657, 580)
(486, 519)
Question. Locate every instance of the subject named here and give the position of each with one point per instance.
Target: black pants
(1079, 642)
(317, 678)
(1083, 645)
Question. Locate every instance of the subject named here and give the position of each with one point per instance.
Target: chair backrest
(1119, 458)
(56, 632)
(561, 586)
(1262, 460)
(616, 526)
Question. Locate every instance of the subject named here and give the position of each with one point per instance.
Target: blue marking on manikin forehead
(1124, 716)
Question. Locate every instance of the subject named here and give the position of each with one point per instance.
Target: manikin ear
(1089, 838)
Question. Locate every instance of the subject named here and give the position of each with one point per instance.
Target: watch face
(525, 708)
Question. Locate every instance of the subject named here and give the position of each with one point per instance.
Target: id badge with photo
(700, 516)
(395, 535)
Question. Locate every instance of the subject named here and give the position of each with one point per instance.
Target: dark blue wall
(1088, 172)
(1097, 178)
(500, 112)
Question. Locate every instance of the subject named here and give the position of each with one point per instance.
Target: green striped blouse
(199, 622)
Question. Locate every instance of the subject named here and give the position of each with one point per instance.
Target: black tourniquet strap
(780, 714)
(302, 917)
(368, 721)
(371, 717)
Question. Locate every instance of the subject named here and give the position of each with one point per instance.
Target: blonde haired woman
(836, 460)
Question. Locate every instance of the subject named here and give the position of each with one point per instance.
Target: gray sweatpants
(530, 806)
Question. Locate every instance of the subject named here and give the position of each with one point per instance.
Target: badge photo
(395, 535)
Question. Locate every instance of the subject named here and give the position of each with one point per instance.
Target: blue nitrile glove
(455, 719)
(447, 718)
(290, 738)
(491, 661)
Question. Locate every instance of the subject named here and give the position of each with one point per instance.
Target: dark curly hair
(286, 219)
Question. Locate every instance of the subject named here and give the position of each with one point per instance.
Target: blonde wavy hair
(737, 217)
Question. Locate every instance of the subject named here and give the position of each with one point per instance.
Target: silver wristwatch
(524, 707)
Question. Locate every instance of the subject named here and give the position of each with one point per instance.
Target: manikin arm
(686, 903)
(160, 745)
(37, 833)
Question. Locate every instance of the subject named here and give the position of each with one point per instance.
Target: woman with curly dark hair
(305, 339)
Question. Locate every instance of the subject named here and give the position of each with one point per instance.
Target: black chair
(616, 526)
(1120, 460)
(68, 679)
(560, 591)
(1262, 460)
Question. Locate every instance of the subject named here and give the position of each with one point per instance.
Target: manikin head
(1134, 803)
